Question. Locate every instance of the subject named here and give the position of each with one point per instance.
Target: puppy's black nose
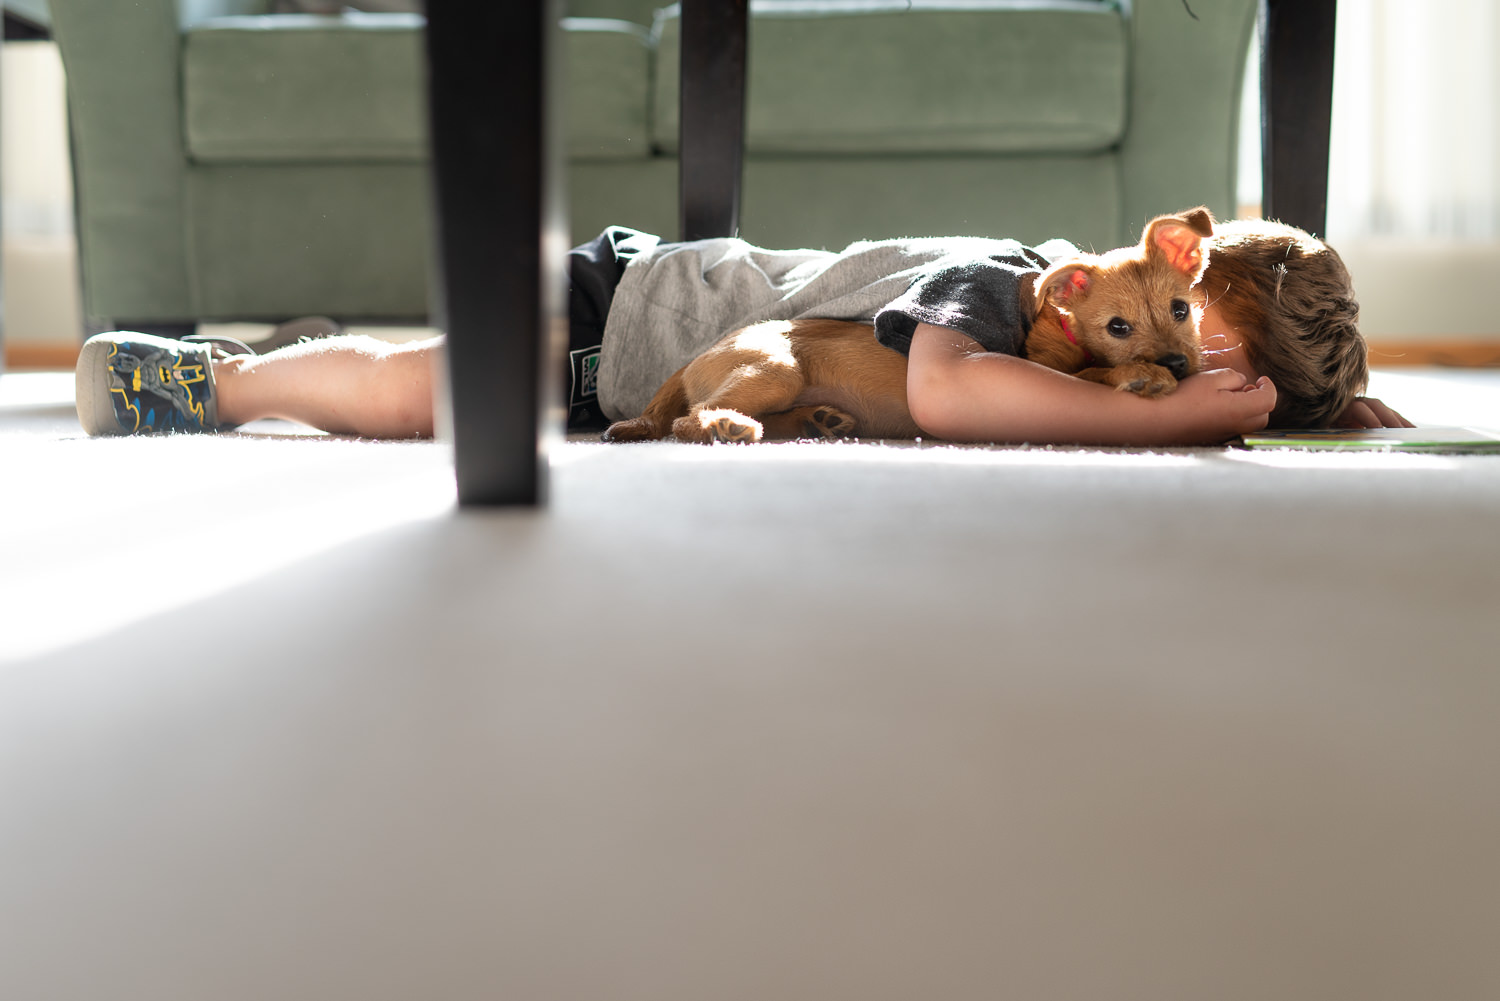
(1177, 364)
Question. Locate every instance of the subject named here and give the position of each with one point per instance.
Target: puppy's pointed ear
(1062, 281)
(1180, 237)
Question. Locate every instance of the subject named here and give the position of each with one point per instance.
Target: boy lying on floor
(1278, 325)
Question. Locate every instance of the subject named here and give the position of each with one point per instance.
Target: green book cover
(1424, 439)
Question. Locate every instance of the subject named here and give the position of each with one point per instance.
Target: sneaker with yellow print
(131, 383)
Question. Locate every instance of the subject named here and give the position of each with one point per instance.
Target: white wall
(1410, 285)
(38, 253)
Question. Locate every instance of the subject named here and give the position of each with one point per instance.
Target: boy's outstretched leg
(350, 384)
(129, 383)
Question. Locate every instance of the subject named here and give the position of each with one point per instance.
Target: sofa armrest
(1185, 76)
(124, 103)
(123, 63)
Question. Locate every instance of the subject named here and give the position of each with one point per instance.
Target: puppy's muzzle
(1177, 364)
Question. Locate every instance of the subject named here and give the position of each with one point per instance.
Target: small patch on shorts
(583, 389)
(585, 367)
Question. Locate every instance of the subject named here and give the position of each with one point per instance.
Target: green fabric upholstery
(234, 164)
(259, 89)
(1080, 199)
(640, 12)
(608, 66)
(289, 240)
(1182, 147)
(926, 80)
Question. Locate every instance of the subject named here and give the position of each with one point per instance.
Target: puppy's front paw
(1143, 379)
(829, 422)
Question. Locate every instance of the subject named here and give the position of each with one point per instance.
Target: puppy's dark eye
(1118, 328)
(1179, 310)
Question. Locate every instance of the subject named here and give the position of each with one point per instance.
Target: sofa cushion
(608, 68)
(305, 88)
(925, 76)
(302, 87)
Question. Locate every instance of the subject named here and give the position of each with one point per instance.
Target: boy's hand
(1222, 404)
(1368, 412)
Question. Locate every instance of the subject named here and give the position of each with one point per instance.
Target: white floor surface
(783, 721)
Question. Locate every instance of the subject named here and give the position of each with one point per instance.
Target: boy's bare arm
(958, 391)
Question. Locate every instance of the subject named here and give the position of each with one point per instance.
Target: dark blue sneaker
(130, 383)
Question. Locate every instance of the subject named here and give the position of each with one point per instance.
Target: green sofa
(236, 164)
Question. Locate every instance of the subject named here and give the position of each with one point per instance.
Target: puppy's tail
(655, 422)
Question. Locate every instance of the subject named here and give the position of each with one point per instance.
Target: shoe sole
(96, 412)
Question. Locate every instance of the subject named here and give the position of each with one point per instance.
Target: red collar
(1088, 356)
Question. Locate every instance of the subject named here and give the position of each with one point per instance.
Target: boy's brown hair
(1292, 301)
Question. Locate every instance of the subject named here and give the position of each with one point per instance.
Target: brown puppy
(1121, 318)
(800, 378)
(1125, 318)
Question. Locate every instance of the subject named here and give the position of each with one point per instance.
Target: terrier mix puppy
(798, 378)
(1123, 318)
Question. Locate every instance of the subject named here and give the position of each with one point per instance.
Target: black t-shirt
(981, 298)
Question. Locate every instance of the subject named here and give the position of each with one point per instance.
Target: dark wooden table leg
(495, 186)
(1296, 106)
(712, 136)
(20, 28)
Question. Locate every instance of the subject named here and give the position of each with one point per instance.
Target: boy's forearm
(992, 397)
(960, 392)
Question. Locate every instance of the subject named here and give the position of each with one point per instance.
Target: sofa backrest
(191, 12)
(942, 76)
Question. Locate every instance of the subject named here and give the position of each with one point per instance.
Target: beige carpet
(783, 721)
